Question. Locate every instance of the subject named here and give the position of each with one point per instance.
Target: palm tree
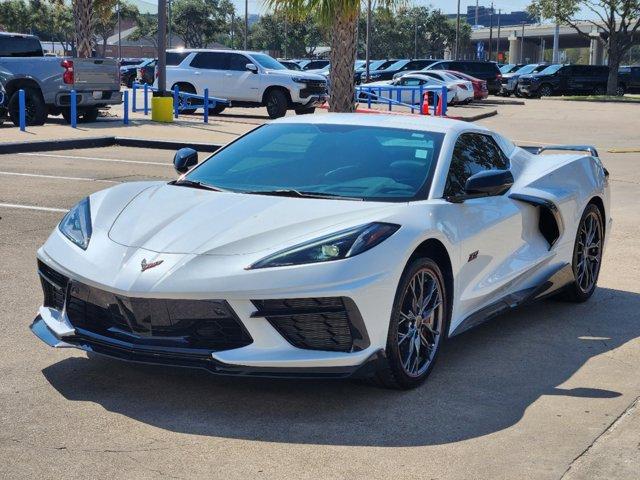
(83, 14)
(341, 19)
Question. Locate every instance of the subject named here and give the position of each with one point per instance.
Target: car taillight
(67, 76)
(463, 86)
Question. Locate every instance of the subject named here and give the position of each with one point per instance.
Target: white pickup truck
(48, 81)
(246, 79)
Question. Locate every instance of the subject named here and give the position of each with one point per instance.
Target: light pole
(246, 23)
(491, 31)
(162, 47)
(522, 44)
(498, 39)
(457, 57)
(169, 21)
(119, 35)
(367, 54)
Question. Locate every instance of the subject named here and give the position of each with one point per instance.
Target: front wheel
(587, 256)
(417, 327)
(545, 91)
(276, 104)
(218, 109)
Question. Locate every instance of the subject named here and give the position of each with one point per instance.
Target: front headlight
(300, 80)
(339, 245)
(76, 224)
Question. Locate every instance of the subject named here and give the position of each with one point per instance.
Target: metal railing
(392, 96)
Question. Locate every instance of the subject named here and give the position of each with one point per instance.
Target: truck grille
(54, 286)
(315, 87)
(208, 325)
(329, 323)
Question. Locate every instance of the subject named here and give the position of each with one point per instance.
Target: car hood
(175, 219)
(296, 73)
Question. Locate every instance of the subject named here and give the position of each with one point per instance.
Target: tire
(620, 91)
(90, 115)
(130, 81)
(35, 108)
(586, 274)
(187, 88)
(600, 90)
(545, 90)
(405, 364)
(217, 110)
(276, 103)
(305, 111)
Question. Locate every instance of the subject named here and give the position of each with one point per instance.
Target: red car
(480, 90)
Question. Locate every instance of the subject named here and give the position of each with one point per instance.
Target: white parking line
(32, 207)
(58, 177)
(97, 159)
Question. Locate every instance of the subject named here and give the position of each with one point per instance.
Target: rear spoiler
(572, 148)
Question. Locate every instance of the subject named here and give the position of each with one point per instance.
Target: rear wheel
(276, 104)
(545, 90)
(600, 90)
(217, 109)
(417, 326)
(587, 256)
(35, 108)
(620, 90)
(185, 103)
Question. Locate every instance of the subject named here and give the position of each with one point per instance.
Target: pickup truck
(48, 81)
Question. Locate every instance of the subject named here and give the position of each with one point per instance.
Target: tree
(16, 16)
(146, 28)
(84, 23)
(340, 17)
(106, 18)
(198, 22)
(618, 20)
(302, 36)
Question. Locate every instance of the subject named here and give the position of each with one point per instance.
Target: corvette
(329, 245)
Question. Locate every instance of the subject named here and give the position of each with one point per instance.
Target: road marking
(32, 207)
(58, 177)
(97, 159)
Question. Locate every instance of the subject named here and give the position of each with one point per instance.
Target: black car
(374, 66)
(3, 103)
(560, 79)
(629, 78)
(290, 64)
(313, 64)
(129, 71)
(487, 71)
(400, 66)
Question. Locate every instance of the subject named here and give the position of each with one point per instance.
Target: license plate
(97, 94)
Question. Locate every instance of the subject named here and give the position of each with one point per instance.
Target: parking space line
(97, 159)
(58, 177)
(33, 207)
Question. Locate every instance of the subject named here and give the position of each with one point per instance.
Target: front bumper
(314, 100)
(526, 90)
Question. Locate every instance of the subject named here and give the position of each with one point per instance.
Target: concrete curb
(500, 101)
(95, 142)
(475, 118)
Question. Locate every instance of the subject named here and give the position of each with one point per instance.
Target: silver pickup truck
(48, 81)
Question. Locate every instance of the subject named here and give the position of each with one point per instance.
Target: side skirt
(559, 278)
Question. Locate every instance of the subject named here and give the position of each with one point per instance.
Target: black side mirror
(489, 182)
(251, 67)
(185, 159)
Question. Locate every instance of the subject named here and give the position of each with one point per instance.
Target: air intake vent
(54, 286)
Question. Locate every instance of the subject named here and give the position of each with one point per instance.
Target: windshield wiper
(185, 182)
(290, 192)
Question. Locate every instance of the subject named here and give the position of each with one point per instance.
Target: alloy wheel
(420, 322)
(588, 252)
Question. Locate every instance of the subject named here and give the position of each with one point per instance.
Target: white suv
(246, 79)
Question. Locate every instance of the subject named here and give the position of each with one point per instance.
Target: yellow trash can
(162, 109)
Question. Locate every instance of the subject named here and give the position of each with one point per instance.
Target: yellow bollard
(162, 109)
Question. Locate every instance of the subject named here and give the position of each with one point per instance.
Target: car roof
(409, 122)
(209, 50)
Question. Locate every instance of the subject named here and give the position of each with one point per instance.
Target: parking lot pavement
(540, 393)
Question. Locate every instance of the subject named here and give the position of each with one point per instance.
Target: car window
(211, 61)
(473, 153)
(411, 82)
(176, 58)
(370, 162)
(238, 62)
(19, 46)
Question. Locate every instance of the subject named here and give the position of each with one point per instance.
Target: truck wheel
(545, 91)
(186, 102)
(90, 115)
(305, 111)
(35, 109)
(276, 104)
(599, 91)
(218, 109)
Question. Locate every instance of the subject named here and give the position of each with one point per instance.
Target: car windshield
(527, 69)
(397, 65)
(507, 68)
(551, 69)
(351, 161)
(267, 62)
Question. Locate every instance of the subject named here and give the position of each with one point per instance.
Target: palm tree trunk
(83, 14)
(343, 57)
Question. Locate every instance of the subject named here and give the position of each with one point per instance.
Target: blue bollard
(421, 99)
(369, 92)
(444, 100)
(74, 109)
(389, 98)
(146, 99)
(206, 105)
(176, 101)
(126, 108)
(133, 97)
(22, 110)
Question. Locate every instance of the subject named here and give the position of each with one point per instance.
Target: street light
(457, 32)
(522, 43)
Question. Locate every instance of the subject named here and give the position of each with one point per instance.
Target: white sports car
(324, 245)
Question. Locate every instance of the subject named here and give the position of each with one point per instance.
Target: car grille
(329, 323)
(524, 81)
(54, 286)
(315, 87)
(180, 324)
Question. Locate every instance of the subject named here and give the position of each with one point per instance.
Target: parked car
(290, 64)
(409, 96)
(629, 78)
(509, 82)
(247, 79)
(129, 73)
(374, 66)
(147, 73)
(3, 103)
(510, 67)
(487, 71)
(463, 89)
(47, 81)
(329, 246)
(480, 91)
(313, 64)
(398, 67)
(560, 79)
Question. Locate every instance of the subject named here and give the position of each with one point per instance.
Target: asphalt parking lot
(549, 391)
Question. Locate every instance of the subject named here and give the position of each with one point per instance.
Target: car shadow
(484, 381)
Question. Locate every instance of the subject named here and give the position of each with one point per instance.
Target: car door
(240, 83)
(207, 71)
(489, 229)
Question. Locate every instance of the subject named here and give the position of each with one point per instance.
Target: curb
(96, 142)
(475, 118)
(499, 101)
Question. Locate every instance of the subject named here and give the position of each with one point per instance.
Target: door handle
(228, 74)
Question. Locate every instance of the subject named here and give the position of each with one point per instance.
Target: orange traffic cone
(438, 111)
(425, 103)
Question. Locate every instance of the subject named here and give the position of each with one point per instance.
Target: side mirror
(184, 160)
(251, 67)
(489, 182)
